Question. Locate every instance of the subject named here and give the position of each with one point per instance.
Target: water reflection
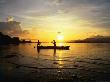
(38, 50)
(60, 59)
(60, 44)
(38, 55)
(54, 57)
(57, 60)
(86, 60)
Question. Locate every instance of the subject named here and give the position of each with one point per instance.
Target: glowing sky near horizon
(75, 19)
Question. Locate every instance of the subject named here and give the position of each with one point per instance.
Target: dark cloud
(12, 28)
(2, 1)
(26, 32)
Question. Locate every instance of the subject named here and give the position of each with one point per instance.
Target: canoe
(53, 47)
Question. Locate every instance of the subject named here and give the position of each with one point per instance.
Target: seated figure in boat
(38, 43)
(54, 43)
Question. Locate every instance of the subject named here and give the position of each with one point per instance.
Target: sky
(74, 19)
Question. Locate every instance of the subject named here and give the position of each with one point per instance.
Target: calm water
(87, 61)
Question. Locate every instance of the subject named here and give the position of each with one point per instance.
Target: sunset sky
(74, 19)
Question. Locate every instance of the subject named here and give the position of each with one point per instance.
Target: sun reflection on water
(60, 59)
(60, 44)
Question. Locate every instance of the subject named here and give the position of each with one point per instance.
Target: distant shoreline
(63, 42)
(5, 39)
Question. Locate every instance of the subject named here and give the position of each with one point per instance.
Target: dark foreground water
(89, 62)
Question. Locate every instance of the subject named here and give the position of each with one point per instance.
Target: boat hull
(52, 47)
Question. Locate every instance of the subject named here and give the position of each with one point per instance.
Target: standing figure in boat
(38, 43)
(54, 43)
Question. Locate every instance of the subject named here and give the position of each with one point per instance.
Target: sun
(60, 37)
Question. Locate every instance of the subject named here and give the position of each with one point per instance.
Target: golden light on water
(60, 60)
(60, 44)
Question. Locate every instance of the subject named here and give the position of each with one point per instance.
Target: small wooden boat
(54, 47)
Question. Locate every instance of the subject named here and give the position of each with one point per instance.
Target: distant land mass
(5, 39)
(93, 39)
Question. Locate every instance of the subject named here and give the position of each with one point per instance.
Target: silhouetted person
(54, 42)
(38, 43)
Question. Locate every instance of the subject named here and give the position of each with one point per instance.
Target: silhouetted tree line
(5, 39)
